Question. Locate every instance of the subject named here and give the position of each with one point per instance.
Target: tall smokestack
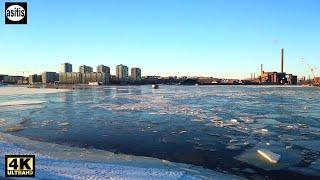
(282, 56)
(261, 69)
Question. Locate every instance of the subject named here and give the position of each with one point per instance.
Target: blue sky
(220, 38)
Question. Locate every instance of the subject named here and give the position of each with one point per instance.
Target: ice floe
(267, 156)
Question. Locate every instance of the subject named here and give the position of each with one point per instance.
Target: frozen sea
(216, 127)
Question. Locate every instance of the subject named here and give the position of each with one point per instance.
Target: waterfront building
(101, 78)
(277, 77)
(83, 78)
(122, 72)
(208, 80)
(3, 78)
(70, 78)
(151, 79)
(103, 69)
(66, 67)
(292, 80)
(14, 79)
(135, 74)
(316, 81)
(49, 77)
(34, 79)
(85, 69)
(273, 78)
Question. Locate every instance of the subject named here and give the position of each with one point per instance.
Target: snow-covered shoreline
(23, 90)
(64, 162)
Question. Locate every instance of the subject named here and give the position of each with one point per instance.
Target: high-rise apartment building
(135, 74)
(85, 69)
(66, 67)
(103, 69)
(122, 72)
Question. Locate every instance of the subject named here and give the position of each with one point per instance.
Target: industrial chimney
(282, 56)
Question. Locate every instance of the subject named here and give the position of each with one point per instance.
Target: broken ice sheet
(289, 157)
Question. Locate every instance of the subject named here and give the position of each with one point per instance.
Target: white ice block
(268, 155)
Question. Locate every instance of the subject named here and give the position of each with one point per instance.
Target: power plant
(277, 77)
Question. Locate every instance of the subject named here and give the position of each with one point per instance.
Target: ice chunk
(269, 155)
(63, 124)
(234, 121)
(181, 132)
(289, 157)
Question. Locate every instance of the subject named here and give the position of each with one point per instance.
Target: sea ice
(63, 162)
(234, 121)
(289, 157)
(63, 124)
(268, 155)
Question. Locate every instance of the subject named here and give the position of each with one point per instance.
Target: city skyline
(183, 38)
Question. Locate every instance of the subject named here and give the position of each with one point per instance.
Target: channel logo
(16, 13)
(20, 165)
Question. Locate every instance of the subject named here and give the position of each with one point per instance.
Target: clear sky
(220, 38)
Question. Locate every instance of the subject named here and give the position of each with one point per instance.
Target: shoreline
(51, 156)
(87, 86)
(24, 90)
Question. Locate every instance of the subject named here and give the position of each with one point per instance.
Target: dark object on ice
(155, 86)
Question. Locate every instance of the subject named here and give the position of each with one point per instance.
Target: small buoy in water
(155, 86)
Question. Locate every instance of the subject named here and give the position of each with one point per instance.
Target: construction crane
(312, 69)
